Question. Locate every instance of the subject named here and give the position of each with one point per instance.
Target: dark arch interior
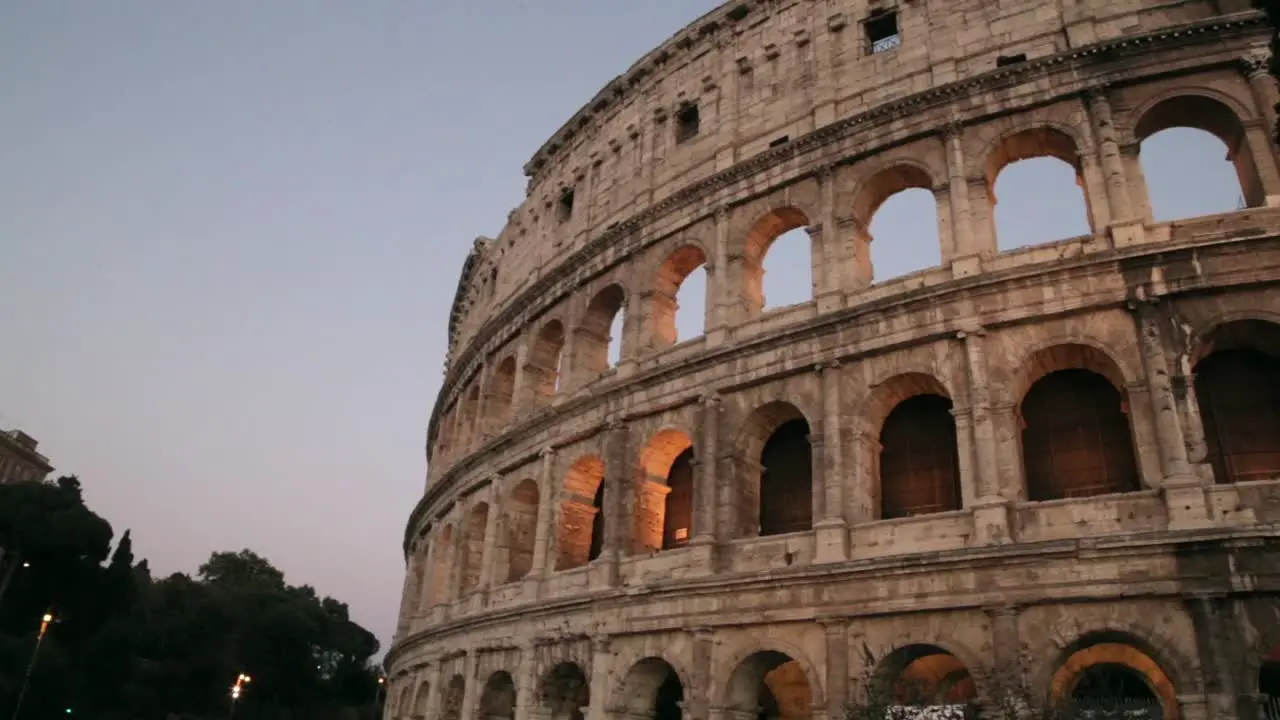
(924, 675)
(1269, 675)
(1110, 683)
(1238, 390)
(597, 524)
(1075, 437)
(678, 516)
(565, 692)
(919, 462)
(670, 695)
(786, 480)
(499, 697)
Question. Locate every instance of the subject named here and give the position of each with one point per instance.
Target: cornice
(589, 260)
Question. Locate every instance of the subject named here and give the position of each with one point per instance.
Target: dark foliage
(125, 646)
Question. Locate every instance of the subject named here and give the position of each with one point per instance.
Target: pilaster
(830, 527)
(991, 510)
(544, 533)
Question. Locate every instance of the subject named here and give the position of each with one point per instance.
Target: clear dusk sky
(230, 233)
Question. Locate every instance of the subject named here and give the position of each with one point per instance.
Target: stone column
(1007, 683)
(828, 257)
(969, 245)
(470, 693)
(705, 478)
(1218, 645)
(1185, 499)
(422, 604)
(456, 555)
(490, 537)
(1126, 225)
(720, 290)
(436, 690)
(407, 600)
(836, 631)
(600, 657)
(831, 528)
(698, 697)
(991, 511)
(863, 503)
(544, 532)
(1262, 154)
(526, 681)
(619, 474)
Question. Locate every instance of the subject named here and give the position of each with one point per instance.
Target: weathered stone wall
(1099, 485)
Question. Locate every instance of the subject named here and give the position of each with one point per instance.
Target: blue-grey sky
(230, 233)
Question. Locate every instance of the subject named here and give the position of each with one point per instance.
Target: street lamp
(241, 681)
(45, 622)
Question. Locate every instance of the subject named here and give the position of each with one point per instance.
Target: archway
(1038, 173)
(678, 305)
(468, 433)
(444, 549)
(919, 458)
(420, 700)
(652, 689)
(473, 548)
(664, 494)
(564, 692)
(543, 366)
(498, 699)
(501, 396)
(1111, 675)
(898, 204)
(451, 703)
(1195, 131)
(777, 434)
(922, 680)
(1076, 435)
(581, 531)
(770, 685)
(522, 528)
(1269, 681)
(792, 280)
(595, 343)
(1237, 383)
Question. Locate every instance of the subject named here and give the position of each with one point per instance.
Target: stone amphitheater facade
(1048, 470)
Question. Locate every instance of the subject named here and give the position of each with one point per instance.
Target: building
(19, 460)
(1048, 473)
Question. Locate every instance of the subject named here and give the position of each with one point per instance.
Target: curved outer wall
(1009, 470)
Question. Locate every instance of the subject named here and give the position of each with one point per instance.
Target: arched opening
(678, 304)
(1111, 675)
(1195, 159)
(1269, 681)
(502, 391)
(420, 700)
(919, 460)
(543, 367)
(581, 531)
(664, 495)
(778, 435)
(1036, 189)
(470, 411)
(770, 685)
(1237, 384)
(595, 342)
(1076, 436)
(652, 689)
(451, 703)
(522, 529)
(564, 692)
(440, 573)
(897, 205)
(777, 273)
(922, 680)
(498, 699)
(473, 548)
(445, 433)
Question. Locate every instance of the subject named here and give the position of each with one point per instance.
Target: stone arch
(917, 462)
(664, 305)
(498, 698)
(664, 492)
(594, 335)
(652, 688)
(522, 528)
(469, 412)
(759, 677)
(501, 395)
(759, 240)
(442, 564)
(451, 700)
(1059, 352)
(1106, 667)
(883, 183)
(1210, 112)
(580, 536)
(777, 491)
(420, 700)
(1036, 140)
(923, 674)
(544, 364)
(564, 692)
(1076, 435)
(445, 435)
(1237, 388)
(473, 548)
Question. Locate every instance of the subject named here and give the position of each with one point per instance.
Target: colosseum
(1044, 478)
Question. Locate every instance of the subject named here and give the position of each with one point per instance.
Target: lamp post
(45, 622)
(241, 681)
